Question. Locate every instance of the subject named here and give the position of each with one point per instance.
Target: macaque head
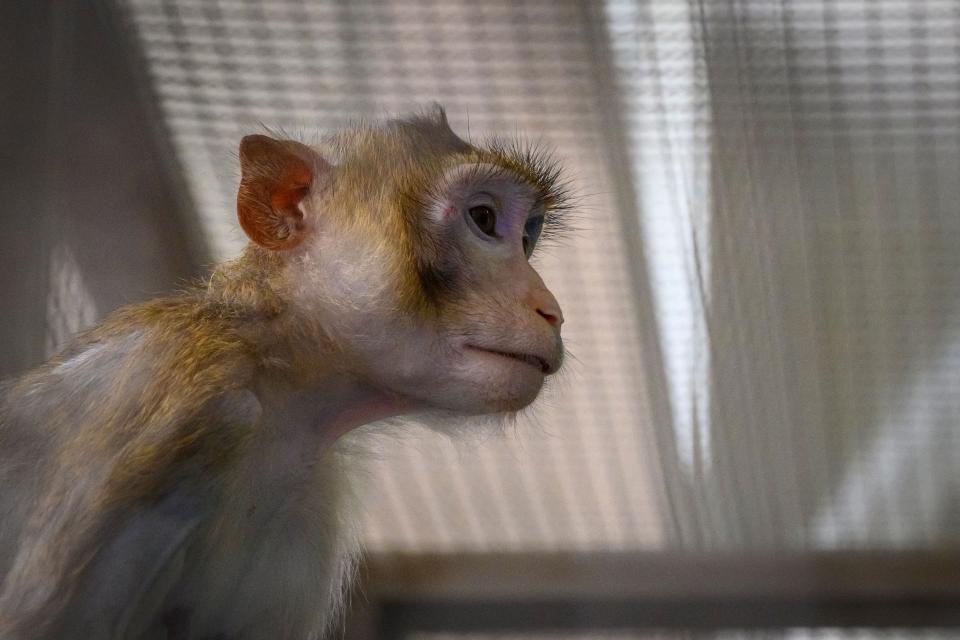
(409, 248)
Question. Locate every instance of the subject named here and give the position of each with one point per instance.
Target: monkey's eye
(484, 219)
(531, 233)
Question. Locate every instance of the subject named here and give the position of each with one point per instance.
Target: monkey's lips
(537, 362)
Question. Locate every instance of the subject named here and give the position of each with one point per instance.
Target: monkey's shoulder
(167, 349)
(111, 520)
(154, 389)
(186, 333)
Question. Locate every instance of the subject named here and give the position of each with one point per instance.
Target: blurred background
(758, 433)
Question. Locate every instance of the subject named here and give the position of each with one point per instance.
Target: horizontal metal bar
(397, 619)
(885, 575)
(574, 591)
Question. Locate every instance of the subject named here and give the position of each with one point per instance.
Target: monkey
(176, 472)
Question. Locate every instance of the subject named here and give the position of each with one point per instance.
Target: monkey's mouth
(533, 361)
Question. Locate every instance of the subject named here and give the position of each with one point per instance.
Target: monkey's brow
(535, 166)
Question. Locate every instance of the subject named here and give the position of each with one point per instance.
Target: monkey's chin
(500, 383)
(487, 399)
(472, 382)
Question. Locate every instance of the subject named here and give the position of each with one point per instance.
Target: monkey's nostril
(555, 319)
(546, 306)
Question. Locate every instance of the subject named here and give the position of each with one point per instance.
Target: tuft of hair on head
(539, 166)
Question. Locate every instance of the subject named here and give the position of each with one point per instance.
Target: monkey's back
(92, 443)
(43, 412)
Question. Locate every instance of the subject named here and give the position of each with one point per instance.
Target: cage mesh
(762, 301)
(581, 473)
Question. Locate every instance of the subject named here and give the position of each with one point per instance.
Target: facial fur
(393, 269)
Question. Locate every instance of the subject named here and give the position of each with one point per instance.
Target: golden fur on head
(387, 177)
(379, 181)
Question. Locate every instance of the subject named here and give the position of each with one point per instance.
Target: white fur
(277, 557)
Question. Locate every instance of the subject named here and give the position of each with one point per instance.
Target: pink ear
(276, 176)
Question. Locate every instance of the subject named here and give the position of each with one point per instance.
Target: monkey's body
(244, 544)
(175, 475)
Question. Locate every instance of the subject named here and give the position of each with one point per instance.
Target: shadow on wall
(94, 214)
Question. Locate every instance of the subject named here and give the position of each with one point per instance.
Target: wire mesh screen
(762, 303)
(584, 475)
(797, 167)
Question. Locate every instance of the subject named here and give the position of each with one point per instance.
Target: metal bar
(398, 619)
(572, 591)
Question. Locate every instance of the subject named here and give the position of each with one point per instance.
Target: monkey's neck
(248, 284)
(329, 407)
(306, 395)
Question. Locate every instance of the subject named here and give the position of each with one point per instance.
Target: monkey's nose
(548, 308)
(555, 318)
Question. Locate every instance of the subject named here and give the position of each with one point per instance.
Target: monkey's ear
(276, 177)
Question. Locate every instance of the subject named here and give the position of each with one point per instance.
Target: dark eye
(485, 219)
(531, 233)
